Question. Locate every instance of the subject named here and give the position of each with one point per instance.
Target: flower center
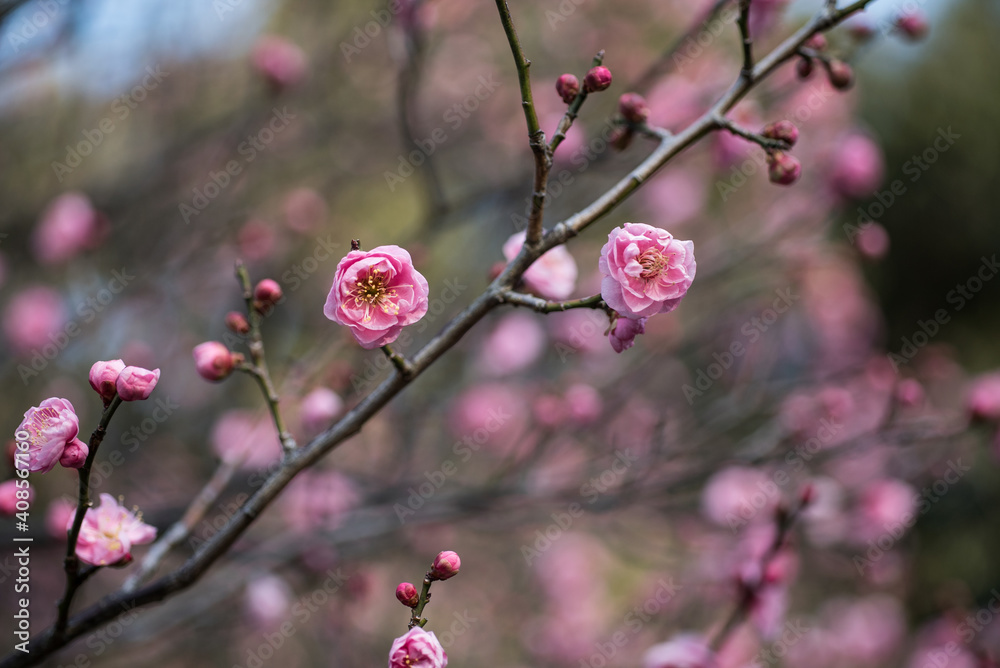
(39, 421)
(371, 291)
(652, 262)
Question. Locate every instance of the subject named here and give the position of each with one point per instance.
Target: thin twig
(747, 41)
(544, 306)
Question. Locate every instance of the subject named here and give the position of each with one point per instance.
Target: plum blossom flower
(104, 377)
(280, 62)
(686, 650)
(552, 276)
(34, 318)
(68, 226)
(646, 271)
(51, 426)
(135, 383)
(417, 649)
(319, 407)
(622, 335)
(109, 532)
(9, 498)
(376, 293)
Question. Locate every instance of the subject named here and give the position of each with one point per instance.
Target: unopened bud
(817, 42)
(213, 360)
(912, 25)
(597, 79)
(782, 168)
(782, 130)
(75, 454)
(804, 68)
(407, 594)
(633, 107)
(237, 322)
(267, 293)
(840, 73)
(568, 86)
(621, 138)
(446, 565)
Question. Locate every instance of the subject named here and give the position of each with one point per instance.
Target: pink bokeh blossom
(34, 318)
(552, 276)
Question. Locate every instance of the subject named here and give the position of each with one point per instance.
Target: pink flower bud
(407, 594)
(135, 383)
(597, 79)
(103, 376)
(319, 407)
(860, 29)
(782, 168)
(633, 107)
(804, 68)
(910, 392)
(9, 496)
(446, 565)
(912, 25)
(213, 360)
(622, 336)
(817, 42)
(237, 322)
(268, 293)
(75, 454)
(568, 86)
(279, 62)
(840, 73)
(782, 130)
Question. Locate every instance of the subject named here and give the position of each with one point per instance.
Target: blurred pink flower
(737, 495)
(870, 629)
(245, 438)
(305, 210)
(51, 426)
(376, 293)
(686, 650)
(646, 271)
(886, 507)
(984, 397)
(280, 62)
(552, 276)
(492, 414)
(58, 516)
(517, 341)
(109, 532)
(675, 197)
(318, 409)
(257, 240)
(136, 384)
(68, 226)
(584, 403)
(267, 601)
(9, 497)
(319, 500)
(417, 649)
(873, 241)
(857, 167)
(213, 360)
(34, 318)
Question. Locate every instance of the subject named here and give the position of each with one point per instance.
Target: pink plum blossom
(279, 61)
(446, 565)
(886, 506)
(68, 226)
(736, 495)
(417, 648)
(646, 271)
(857, 167)
(9, 496)
(109, 532)
(376, 293)
(304, 210)
(58, 516)
(686, 650)
(319, 407)
(622, 335)
(51, 426)
(135, 383)
(517, 341)
(33, 319)
(984, 397)
(242, 437)
(104, 378)
(267, 601)
(319, 500)
(583, 402)
(873, 241)
(552, 276)
(492, 414)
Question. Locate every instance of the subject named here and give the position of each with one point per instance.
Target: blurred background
(144, 147)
